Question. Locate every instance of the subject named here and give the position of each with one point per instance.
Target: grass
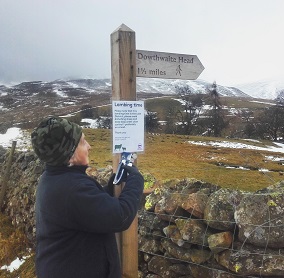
(250, 104)
(14, 245)
(171, 156)
(162, 106)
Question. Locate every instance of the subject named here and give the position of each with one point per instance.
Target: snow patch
(15, 134)
(236, 145)
(60, 93)
(14, 265)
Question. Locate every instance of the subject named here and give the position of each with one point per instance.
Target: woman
(76, 218)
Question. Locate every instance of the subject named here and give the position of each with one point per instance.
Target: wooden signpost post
(123, 75)
(127, 63)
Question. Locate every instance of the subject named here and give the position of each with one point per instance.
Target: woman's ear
(72, 159)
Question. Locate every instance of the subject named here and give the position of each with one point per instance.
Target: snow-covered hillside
(167, 86)
(145, 85)
(266, 89)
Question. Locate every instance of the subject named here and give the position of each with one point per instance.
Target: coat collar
(65, 168)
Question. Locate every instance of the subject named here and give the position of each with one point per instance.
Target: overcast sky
(236, 41)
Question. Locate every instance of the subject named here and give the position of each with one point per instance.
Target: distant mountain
(143, 85)
(3, 89)
(25, 103)
(266, 89)
(167, 86)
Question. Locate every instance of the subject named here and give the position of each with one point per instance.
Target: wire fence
(188, 237)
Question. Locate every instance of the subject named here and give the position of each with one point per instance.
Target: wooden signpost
(127, 63)
(123, 76)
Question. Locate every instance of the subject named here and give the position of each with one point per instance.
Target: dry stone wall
(187, 228)
(19, 200)
(194, 229)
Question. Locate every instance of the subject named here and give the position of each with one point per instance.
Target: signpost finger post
(123, 75)
(128, 114)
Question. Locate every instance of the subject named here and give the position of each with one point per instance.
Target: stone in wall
(220, 241)
(260, 217)
(246, 260)
(195, 203)
(194, 231)
(174, 234)
(220, 208)
(169, 207)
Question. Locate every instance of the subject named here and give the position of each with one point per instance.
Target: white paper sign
(128, 126)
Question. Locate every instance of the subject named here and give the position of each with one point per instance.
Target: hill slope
(267, 89)
(26, 102)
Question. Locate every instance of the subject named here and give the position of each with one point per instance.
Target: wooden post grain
(4, 183)
(123, 75)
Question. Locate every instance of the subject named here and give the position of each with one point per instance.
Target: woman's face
(81, 154)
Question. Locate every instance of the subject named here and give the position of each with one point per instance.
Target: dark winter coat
(76, 220)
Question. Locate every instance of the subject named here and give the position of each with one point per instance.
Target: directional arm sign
(167, 65)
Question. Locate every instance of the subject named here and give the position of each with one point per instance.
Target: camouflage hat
(55, 140)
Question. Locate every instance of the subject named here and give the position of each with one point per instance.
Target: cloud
(47, 40)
